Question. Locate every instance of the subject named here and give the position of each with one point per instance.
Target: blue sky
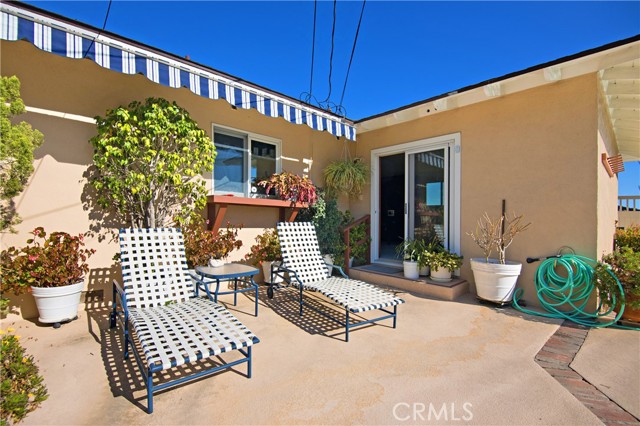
(406, 51)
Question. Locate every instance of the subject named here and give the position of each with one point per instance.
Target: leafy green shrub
(201, 244)
(327, 219)
(16, 150)
(629, 237)
(625, 264)
(21, 387)
(148, 157)
(267, 248)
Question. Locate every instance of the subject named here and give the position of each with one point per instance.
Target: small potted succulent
(52, 267)
(205, 247)
(266, 252)
(442, 264)
(291, 187)
(496, 278)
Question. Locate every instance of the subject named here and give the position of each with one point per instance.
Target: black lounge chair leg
(347, 327)
(395, 315)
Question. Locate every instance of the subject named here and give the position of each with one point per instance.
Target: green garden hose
(564, 285)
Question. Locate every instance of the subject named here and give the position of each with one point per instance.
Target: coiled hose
(564, 285)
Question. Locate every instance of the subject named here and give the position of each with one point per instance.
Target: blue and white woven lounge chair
(306, 269)
(162, 320)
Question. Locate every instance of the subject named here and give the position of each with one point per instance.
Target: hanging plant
(346, 176)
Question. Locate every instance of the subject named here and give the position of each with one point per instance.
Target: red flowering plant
(201, 244)
(267, 248)
(291, 187)
(56, 260)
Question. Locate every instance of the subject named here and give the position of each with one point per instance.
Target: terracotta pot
(629, 313)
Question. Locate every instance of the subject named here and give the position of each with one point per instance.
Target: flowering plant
(200, 244)
(21, 386)
(57, 260)
(291, 187)
(267, 248)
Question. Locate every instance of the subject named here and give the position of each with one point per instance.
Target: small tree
(148, 158)
(17, 143)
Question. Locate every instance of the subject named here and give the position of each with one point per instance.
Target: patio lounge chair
(304, 267)
(162, 320)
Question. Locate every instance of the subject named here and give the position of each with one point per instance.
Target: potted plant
(291, 187)
(266, 252)
(52, 268)
(206, 247)
(496, 278)
(410, 250)
(346, 176)
(624, 263)
(432, 246)
(442, 264)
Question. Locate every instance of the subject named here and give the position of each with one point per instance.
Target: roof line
(508, 76)
(173, 56)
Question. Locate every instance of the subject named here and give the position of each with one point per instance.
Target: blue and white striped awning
(73, 41)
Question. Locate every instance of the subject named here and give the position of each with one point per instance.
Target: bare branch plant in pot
(496, 279)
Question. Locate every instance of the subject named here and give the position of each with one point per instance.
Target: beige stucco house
(534, 138)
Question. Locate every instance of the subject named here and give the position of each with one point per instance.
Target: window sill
(216, 216)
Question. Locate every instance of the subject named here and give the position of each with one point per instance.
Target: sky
(405, 52)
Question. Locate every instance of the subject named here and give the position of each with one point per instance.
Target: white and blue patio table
(236, 272)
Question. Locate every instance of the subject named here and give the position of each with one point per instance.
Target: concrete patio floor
(476, 361)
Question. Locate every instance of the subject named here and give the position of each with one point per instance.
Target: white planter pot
(424, 271)
(411, 269)
(441, 274)
(57, 304)
(495, 282)
(328, 259)
(216, 263)
(266, 270)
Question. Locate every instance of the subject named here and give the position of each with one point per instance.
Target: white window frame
(247, 137)
(450, 142)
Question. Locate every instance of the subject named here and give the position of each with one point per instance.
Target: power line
(313, 49)
(355, 40)
(333, 32)
(104, 25)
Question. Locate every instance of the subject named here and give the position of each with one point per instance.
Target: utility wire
(104, 25)
(313, 50)
(333, 32)
(355, 41)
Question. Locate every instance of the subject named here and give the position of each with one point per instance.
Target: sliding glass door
(416, 195)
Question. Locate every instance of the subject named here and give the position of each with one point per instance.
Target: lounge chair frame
(172, 327)
(353, 295)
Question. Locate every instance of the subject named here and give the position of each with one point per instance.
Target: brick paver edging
(555, 357)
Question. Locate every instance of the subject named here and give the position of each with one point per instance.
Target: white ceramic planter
(266, 270)
(411, 269)
(441, 274)
(495, 282)
(328, 258)
(57, 304)
(424, 271)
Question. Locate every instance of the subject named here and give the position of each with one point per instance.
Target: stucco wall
(57, 195)
(537, 149)
(607, 186)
